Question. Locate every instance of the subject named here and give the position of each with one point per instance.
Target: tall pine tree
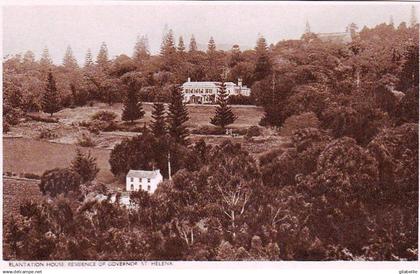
(177, 117)
(102, 58)
(193, 44)
(88, 59)
(211, 47)
(224, 115)
(263, 65)
(85, 165)
(45, 62)
(168, 51)
(132, 109)
(69, 61)
(181, 46)
(158, 126)
(51, 99)
(141, 50)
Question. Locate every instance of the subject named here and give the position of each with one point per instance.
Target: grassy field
(199, 114)
(22, 155)
(247, 115)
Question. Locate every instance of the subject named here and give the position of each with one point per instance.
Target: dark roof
(143, 173)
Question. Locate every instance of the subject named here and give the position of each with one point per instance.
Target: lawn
(199, 114)
(23, 155)
(247, 115)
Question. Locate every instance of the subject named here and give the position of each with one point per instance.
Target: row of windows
(140, 187)
(202, 90)
(132, 180)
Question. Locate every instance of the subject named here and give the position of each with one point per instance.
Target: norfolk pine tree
(102, 59)
(263, 65)
(141, 50)
(45, 63)
(158, 126)
(181, 45)
(88, 59)
(168, 52)
(177, 116)
(132, 109)
(193, 44)
(85, 165)
(69, 61)
(50, 99)
(224, 115)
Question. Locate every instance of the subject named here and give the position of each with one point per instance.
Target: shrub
(96, 126)
(31, 176)
(80, 97)
(208, 130)
(101, 121)
(85, 124)
(6, 126)
(39, 118)
(239, 131)
(241, 100)
(137, 129)
(129, 127)
(66, 101)
(59, 180)
(253, 131)
(46, 133)
(104, 115)
(11, 115)
(85, 140)
(301, 121)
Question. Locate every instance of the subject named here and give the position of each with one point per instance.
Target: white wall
(142, 183)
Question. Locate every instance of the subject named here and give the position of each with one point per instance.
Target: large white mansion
(206, 92)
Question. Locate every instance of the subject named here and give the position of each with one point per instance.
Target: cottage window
(148, 188)
(140, 187)
(148, 180)
(131, 179)
(132, 187)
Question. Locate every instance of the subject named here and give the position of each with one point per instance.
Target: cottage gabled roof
(143, 173)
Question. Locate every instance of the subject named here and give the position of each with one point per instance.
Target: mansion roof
(336, 37)
(206, 84)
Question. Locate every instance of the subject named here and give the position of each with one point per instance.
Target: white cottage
(143, 179)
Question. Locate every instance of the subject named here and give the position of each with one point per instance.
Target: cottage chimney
(240, 82)
(189, 79)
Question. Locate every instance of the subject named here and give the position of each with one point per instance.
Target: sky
(119, 23)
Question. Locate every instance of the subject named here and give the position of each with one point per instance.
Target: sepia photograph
(198, 131)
